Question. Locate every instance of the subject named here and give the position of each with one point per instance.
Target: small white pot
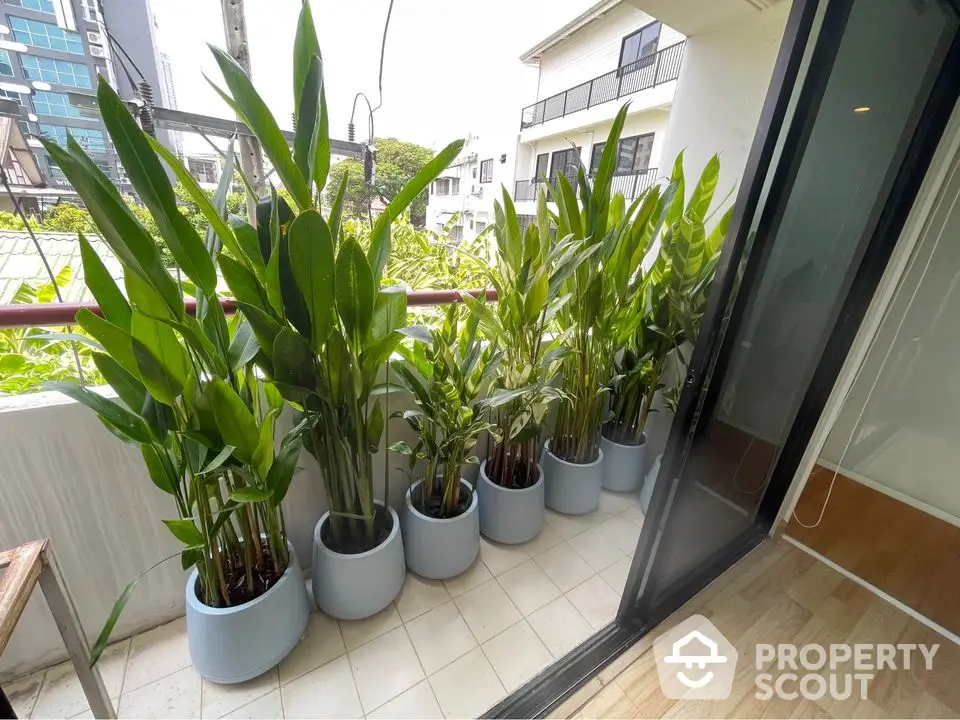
(571, 488)
(352, 587)
(440, 548)
(623, 464)
(510, 515)
(234, 644)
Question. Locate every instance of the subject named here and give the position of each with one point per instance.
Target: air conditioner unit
(94, 37)
(97, 51)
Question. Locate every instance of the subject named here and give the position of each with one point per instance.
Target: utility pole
(251, 158)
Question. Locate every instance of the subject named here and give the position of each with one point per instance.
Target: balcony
(645, 73)
(630, 185)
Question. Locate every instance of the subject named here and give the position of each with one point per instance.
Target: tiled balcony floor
(442, 649)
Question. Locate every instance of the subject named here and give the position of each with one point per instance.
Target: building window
(565, 162)
(454, 186)
(638, 45)
(486, 170)
(7, 95)
(456, 232)
(204, 170)
(58, 72)
(55, 104)
(38, 5)
(89, 140)
(442, 186)
(91, 12)
(56, 174)
(543, 162)
(6, 67)
(480, 226)
(45, 35)
(633, 154)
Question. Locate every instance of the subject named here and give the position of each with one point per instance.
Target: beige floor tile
(487, 610)
(62, 695)
(357, 632)
(616, 575)
(467, 687)
(564, 566)
(517, 654)
(384, 668)
(547, 539)
(440, 637)
(615, 503)
(476, 575)
(596, 548)
(420, 595)
(219, 699)
(499, 558)
(567, 526)
(622, 532)
(320, 644)
(268, 707)
(327, 692)
(634, 513)
(417, 703)
(23, 693)
(173, 696)
(157, 653)
(528, 587)
(596, 601)
(560, 626)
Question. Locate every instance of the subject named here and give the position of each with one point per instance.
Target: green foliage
(444, 378)
(398, 162)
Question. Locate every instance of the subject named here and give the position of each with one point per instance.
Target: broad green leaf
(389, 311)
(305, 47)
(336, 210)
(220, 458)
(243, 348)
(264, 326)
(243, 284)
(112, 303)
(234, 420)
(307, 108)
(321, 163)
(374, 427)
(312, 263)
(274, 291)
(719, 233)
(263, 457)
(281, 472)
(256, 115)
(250, 495)
(185, 531)
(354, 289)
(128, 388)
(160, 472)
(161, 359)
(100, 644)
(294, 361)
(115, 341)
(702, 195)
(130, 425)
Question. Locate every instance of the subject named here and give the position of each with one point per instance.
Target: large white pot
(510, 515)
(352, 587)
(234, 644)
(571, 488)
(623, 465)
(440, 548)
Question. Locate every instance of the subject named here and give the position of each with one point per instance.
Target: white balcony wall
(720, 91)
(594, 50)
(65, 477)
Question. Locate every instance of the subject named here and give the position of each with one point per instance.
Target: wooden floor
(780, 594)
(903, 551)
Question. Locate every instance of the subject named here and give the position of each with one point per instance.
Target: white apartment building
(470, 185)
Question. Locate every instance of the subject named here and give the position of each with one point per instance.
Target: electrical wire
(889, 351)
(371, 110)
(116, 43)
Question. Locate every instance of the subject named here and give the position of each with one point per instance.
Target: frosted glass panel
(907, 396)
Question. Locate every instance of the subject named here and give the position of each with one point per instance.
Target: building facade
(51, 53)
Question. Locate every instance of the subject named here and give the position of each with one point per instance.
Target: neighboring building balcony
(645, 73)
(630, 185)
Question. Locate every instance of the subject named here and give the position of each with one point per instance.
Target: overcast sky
(451, 66)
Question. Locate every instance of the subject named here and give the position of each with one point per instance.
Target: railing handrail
(625, 69)
(56, 314)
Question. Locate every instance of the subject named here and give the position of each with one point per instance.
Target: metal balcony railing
(647, 72)
(630, 185)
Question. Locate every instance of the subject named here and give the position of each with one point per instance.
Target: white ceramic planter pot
(231, 645)
(623, 464)
(571, 488)
(351, 587)
(508, 515)
(440, 548)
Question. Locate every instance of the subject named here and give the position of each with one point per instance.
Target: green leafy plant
(325, 322)
(529, 275)
(445, 378)
(187, 393)
(673, 294)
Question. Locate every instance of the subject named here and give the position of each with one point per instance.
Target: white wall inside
(720, 92)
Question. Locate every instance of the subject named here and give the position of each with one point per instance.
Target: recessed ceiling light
(861, 109)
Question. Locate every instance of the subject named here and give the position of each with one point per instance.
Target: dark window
(441, 186)
(640, 44)
(486, 170)
(543, 161)
(595, 157)
(565, 162)
(633, 154)
(480, 226)
(455, 186)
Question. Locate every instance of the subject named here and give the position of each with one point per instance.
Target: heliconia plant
(187, 392)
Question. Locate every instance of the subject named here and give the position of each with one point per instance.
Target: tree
(397, 163)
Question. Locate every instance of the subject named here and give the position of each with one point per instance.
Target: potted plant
(189, 398)
(326, 326)
(441, 523)
(529, 271)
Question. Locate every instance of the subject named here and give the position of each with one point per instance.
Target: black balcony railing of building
(647, 72)
(630, 185)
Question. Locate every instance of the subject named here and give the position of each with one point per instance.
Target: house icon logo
(695, 661)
